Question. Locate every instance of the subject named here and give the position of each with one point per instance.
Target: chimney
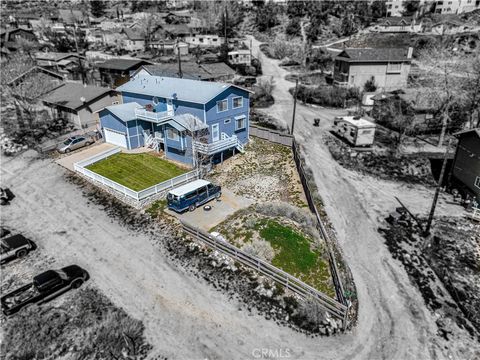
(410, 52)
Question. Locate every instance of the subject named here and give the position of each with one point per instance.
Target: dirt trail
(394, 322)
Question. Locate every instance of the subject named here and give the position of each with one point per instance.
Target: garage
(115, 137)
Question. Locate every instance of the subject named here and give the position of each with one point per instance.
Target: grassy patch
(157, 208)
(136, 171)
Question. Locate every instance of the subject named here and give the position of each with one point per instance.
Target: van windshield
(172, 197)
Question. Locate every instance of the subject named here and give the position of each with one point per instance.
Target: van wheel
(77, 283)
(217, 195)
(21, 253)
(191, 207)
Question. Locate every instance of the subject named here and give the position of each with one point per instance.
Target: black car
(44, 287)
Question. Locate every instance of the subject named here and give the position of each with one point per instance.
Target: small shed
(356, 130)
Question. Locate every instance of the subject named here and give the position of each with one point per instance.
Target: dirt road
(394, 322)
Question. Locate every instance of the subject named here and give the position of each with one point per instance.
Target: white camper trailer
(356, 130)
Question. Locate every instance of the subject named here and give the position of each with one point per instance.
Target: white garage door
(115, 138)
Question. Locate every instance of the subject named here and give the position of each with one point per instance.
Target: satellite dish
(82, 99)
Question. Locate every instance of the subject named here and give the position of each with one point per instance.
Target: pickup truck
(15, 246)
(44, 287)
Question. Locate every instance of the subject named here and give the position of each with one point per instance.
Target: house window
(240, 123)
(477, 182)
(172, 134)
(222, 105)
(237, 102)
(227, 121)
(394, 67)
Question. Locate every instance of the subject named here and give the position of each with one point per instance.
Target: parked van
(193, 194)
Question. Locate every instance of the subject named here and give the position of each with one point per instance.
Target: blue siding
(183, 107)
(219, 118)
(110, 121)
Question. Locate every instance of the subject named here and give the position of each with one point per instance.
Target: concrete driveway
(67, 161)
(228, 204)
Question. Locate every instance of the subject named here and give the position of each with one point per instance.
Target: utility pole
(294, 106)
(180, 74)
(437, 192)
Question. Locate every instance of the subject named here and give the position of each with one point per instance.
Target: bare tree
(444, 72)
(471, 86)
(148, 24)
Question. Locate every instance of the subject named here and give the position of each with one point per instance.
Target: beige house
(389, 67)
(79, 104)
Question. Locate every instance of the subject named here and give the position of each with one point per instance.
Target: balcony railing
(151, 116)
(340, 78)
(217, 146)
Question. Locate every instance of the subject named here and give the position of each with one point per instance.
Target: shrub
(370, 85)
(333, 96)
(259, 248)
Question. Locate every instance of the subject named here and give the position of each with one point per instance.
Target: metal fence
(135, 195)
(275, 136)
(290, 282)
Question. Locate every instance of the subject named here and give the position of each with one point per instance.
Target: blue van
(193, 194)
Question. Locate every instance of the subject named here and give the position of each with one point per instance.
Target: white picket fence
(135, 195)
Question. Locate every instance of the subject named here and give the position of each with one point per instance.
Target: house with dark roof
(115, 72)
(11, 38)
(70, 65)
(180, 117)
(79, 103)
(389, 67)
(398, 24)
(190, 70)
(35, 82)
(134, 39)
(70, 17)
(466, 163)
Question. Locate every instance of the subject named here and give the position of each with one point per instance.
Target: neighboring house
(95, 36)
(115, 72)
(11, 39)
(176, 31)
(36, 81)
(134, 40)
(204, 40)
(170, 47)
(398, 25)
(456, 6)
(240, 57)
(70, 65)
(466, 164)
(190, 70)
(388, 66)
(79, 103)
(179, 116)
(397, 7)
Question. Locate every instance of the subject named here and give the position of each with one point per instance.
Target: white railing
(217, 146)
(135, 195)
(153, 116)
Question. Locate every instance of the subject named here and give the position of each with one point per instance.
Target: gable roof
(69, 95)
(122, 64)
(133, 34)
(190, 70)
(374, 54)
(55, 56)
(396, 21)
(471, 131)
(70, 16)
(199, 92)
(35, 68)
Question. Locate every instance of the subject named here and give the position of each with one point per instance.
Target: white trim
(226, 100)
(233, 102)
(217, 125)
(128, 137)
(244, 118)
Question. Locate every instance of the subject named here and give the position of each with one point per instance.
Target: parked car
(75, 142)
(15, 246)
(193, 194)
(44, 287)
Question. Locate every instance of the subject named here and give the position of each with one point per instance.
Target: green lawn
(136, 171)
(294, 255)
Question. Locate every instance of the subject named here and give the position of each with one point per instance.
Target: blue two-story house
(184, 118)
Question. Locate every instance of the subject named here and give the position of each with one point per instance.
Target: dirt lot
(265, 172)
(393, 322)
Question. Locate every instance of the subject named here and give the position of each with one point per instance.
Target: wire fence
(277, 137)
(290, 282)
